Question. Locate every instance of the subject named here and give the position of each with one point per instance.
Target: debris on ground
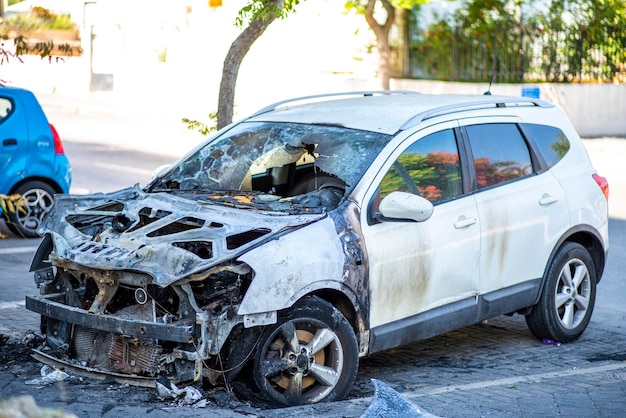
(48, 375)
(25, 406)
(388, 403)
(188, 395)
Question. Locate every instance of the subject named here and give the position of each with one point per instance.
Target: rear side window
(500, 153)
(6, 108)
(551, 142)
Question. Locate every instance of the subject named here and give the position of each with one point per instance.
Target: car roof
(5, 88)
(386, 112)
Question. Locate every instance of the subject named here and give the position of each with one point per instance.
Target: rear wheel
(309, 356)
(567, 298)
(39, 199)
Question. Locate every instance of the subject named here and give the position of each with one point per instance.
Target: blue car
(33, 163)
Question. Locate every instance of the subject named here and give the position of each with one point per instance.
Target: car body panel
(374, 205)
(15, 143)
(385, 114)
(415, 266)
(28, 149)
(587, 205)
(151, 242)
(512, 215)
(453, 315)
(315, 260)
(408, 261)
(586, 201)
(514, 222)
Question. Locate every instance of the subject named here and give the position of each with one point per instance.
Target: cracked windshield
(280, 166)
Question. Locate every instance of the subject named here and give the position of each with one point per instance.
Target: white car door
(418, 266)
(522, 212)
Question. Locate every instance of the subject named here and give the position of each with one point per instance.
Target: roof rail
(273, 106)
(488, 101)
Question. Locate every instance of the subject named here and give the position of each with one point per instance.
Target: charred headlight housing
(223, 289)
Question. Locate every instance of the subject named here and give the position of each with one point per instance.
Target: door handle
(8, 142)
(547, 199)
(464, 222)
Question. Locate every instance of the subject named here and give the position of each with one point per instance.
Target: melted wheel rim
(303, 362)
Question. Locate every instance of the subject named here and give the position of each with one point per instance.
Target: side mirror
(401, 206)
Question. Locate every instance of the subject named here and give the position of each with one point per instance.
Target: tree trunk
(238, 50)
(404, 54)
(382, 38)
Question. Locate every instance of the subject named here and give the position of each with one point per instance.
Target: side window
(551, 141)
(500, 153)
(429, 168)
(6, 108)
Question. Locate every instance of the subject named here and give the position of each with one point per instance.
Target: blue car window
(6, 108)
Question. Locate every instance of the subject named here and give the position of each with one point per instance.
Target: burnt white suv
(321, 230)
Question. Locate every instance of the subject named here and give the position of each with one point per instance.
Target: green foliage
(60, 22)
(38, 18)
(469, 42)
(45, 49)
(264, 9)
(567, 40)
(203, 128)
(432, 50)
(584, 37)
(560, 146)
(21, 22)
(19, 26)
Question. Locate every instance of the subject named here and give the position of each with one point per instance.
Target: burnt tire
(309, 356)
(567, 297)
(25, 220)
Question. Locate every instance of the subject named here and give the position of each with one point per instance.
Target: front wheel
(309, 356)
(567, 298)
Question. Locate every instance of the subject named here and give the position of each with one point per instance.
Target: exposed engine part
(107, 351)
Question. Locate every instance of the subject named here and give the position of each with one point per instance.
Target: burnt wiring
(223, 371)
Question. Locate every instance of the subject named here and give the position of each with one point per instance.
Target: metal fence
(519, 54)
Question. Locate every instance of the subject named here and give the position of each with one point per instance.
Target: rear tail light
(58, 145)
(603, 184)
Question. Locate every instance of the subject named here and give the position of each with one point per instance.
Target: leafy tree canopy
(265, 10)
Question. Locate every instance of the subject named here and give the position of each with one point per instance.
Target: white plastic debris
(48, 375)
(388, 403)
(184, 396)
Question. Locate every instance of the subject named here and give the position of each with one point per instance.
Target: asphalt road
(106, 168)
(492, 369)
